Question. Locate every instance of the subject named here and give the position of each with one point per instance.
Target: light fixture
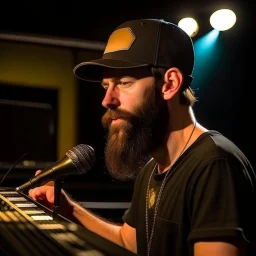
(189, 25)
(223, 19)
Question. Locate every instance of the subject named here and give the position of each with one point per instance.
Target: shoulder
(212, 145)
(214, 155)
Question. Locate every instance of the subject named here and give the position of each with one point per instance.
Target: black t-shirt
(209, 195)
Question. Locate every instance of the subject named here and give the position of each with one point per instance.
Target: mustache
(117, 113)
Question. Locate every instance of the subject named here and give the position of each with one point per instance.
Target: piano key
(17, 199)
(44, 217)
(31, 212)
(52, 226)
(33, 232)
(26, 205)
(8, 193)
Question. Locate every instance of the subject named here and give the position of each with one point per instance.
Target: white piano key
(51, 226)
(68, 237)
(40, 217)
(31, 212)
(8, 193)
(17, 199)
(89, 253)
(22, 205)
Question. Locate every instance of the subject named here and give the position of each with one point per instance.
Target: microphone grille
(82, 156)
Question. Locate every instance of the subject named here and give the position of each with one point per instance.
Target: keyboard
(29, 228)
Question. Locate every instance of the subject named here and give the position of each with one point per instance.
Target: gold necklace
(149, 239)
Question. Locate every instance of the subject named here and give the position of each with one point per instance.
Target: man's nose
(111, 99)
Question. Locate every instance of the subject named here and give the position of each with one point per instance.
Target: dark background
(226, 94)
(95, 20)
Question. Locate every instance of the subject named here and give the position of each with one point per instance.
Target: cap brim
(92, 71)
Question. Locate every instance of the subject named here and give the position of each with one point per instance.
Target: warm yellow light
(223, 19)
(189, 25)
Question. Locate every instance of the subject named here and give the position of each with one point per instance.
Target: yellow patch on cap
(120, 39)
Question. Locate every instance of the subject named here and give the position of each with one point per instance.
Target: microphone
(77, 160)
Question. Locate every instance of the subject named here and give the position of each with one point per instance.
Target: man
(194, 189)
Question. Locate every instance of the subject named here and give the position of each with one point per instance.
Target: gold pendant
(152, 197)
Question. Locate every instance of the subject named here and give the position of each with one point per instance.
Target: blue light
(208, 52)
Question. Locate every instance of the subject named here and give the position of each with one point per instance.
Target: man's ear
(173, 79)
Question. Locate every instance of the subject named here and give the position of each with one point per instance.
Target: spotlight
(223, 19)
(189, 25)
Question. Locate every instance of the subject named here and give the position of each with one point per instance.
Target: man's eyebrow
(113, 80)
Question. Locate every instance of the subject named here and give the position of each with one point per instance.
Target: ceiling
(95, 21)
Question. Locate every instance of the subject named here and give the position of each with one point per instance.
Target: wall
(44, 66)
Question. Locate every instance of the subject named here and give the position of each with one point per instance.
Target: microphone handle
(62, 168)
(36, 181)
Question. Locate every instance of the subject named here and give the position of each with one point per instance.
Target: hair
(187, 95)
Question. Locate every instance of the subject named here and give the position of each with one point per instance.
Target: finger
(30, 193)
(33, 193)
(50, 195)
(38, 172)
(50, 183)
(38, 193)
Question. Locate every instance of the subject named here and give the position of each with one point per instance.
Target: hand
(43, 194)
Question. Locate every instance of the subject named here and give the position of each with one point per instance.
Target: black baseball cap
(142, 42)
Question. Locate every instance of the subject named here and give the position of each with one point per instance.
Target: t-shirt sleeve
(219, 202)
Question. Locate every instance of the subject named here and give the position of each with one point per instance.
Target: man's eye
(124, 83)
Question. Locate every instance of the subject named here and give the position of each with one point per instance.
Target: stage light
(208, 54)
(223, 19)
(189, 25)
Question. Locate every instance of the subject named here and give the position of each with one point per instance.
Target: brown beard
(130, 141)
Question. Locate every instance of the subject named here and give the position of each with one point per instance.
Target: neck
(182, 133)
